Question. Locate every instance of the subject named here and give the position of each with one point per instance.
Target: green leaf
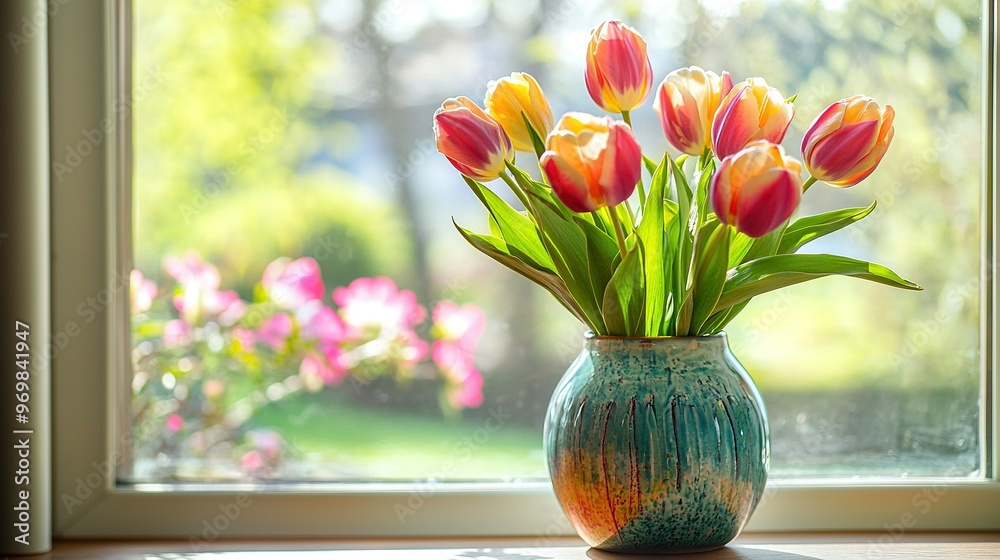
(536, 142)
(809, 228)
(651, 164)
(712, 261)
(540, 190)
(739, 246)
(495, 248)
(623, 298)
(566, 244)
(684, 242)
(771, 273)
(602, 252)
(701, 196)
(650, 232)
(517, 230)
(720, 319)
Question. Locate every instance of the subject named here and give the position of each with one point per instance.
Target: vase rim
(590, 335)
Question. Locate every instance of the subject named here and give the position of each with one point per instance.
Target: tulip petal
(736, 123)
(568, 183)
(844, 148)
(766, 201)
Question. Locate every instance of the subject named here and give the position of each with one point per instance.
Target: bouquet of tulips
(713, 230)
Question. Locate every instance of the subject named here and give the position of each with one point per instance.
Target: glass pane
(307, 311)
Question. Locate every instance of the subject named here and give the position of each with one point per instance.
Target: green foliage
(683, 272)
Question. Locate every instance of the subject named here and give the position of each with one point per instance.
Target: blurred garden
(303, 307)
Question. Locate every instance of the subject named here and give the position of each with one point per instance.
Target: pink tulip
(175, 333)
(192, 270)
(591, 162)
(751, 111)
(175, 423)
(469, 394)
(471, 140)
(142, 292)
(291, 284)
(619, 76)
(376, 304)
(320, 323)
(846, 142)
(686, 102)
(275, 331)
(319, 369)
(462, 323)
(757, 189)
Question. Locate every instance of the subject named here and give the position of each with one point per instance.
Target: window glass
(305, 310)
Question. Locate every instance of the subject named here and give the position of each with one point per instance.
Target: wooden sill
(757, 546)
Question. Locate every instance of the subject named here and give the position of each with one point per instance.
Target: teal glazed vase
(657, 445)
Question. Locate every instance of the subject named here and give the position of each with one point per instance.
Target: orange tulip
(751, 111)
(757, 188)
(591, 162)
(846, 142)
(686, 102)
(619, 76)
(513, 99)
(471, 140)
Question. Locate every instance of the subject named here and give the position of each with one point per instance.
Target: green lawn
(335, 439)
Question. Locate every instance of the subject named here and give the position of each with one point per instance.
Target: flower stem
(514, 187)
(627, 117)
(809, 182)
(618, 231)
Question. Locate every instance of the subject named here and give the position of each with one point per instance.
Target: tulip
(750, 111)
(291, 284)
(513, 99)
(757, 188)
(471, 140)
(619, 76)
(686, 102)
(846, 142)
(591, 162)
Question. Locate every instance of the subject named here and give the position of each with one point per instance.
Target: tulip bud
(757, 189)
(686, 102)
(846, 142)
(618, 76)
(471, 140)
(513, 99)
(591, 162)
(751, 111)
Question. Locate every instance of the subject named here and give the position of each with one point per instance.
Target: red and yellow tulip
(619, 76)
(591, 162)
(511, 101)
(686, 102)
(751, 111)
(846, 142)
(757, 189)
(471, 140)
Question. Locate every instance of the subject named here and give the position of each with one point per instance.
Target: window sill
(758, 546)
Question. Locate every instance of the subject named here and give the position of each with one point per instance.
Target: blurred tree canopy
(301, 127)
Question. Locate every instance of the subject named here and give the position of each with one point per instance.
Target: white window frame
(90, 214)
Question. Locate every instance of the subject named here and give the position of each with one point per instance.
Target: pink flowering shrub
(204, 359)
